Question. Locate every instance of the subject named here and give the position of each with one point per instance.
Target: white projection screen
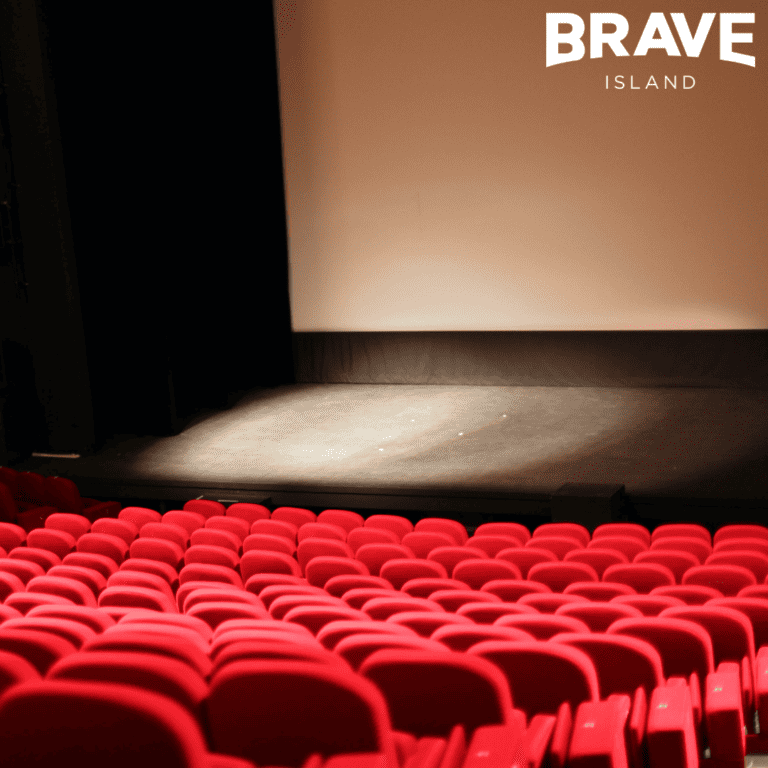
(439, 176)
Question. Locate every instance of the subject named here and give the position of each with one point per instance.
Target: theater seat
(542, 676)
(428, 693)
(97, 724)
(282, 712)
(357, 648)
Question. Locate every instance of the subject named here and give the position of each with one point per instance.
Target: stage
(470, 451)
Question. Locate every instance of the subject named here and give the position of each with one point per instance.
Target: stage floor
(382, 446)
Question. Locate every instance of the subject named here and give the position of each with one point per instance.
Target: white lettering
(598, 37)
(657, 23)
(728, 37)
(572, 38)
(693, 45)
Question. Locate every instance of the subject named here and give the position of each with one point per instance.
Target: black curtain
(170, 132)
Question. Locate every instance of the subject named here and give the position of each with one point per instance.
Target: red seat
(322, 569)
(124, 529)
(343, 517)
(526, 557)
(549, 603)
(460, 637)
(511, 590)
(421, 543)
(205, 507)
(448, 557)
(26, 601)
(10, 583)
(557, 576)
(106, 566)
(598, 591)
(73, 590)
(487, 613)
(642, 577)
(40, 649)
(73, 524)
(425, 587)
(559, 546)
(542, 675)
(168, 532)
(493, 544)
(630, 546)
(517, 530)
(740, 531)
(216, 538)
(357, 598)
(87, 720)
(398, 571)
(755, 609)
(649, 605)
(74, 632)
(214, 613)
(724, 717)
(136, 597)
(677, 562)
(269, 594)
(375, 555)
(395, 523)
(153, 621)
(139, 516)
(671, 731)
(381, 608)
(600, 731)
(690, 530)
(689, 594)
(211, 554)
(129, 578)
(357, 648)
(452, 528)
(332, 633)
(424, 623)
(281, 712)
(267, 542)
(173, 642)
(294, 515)
(282, 605)
(210, 572)
(15, 669)
(218, 587)
(598, 616)
(311, 548)
(596, 557)
(728, 579)
(259, 581)
(358, 537)
(259, 561)
(751, 545)
(452, 599)
(94, 618)
(169, 677)
(570, 530)
(277, 649)
(622, 529)
(321, 531)
(20, 569)
(60, 543)
(42, 557)
(542, 626)
(683, 645)
(315, 617)
(235, 525)
(189, 521)
(154, 567)
(248, 512)
(622, 662)
(428, 693)
(103, 544)
(754, 561)
(478, 572)
(695, 546)
(11, 535)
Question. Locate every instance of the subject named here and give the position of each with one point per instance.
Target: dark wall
(170, 137)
